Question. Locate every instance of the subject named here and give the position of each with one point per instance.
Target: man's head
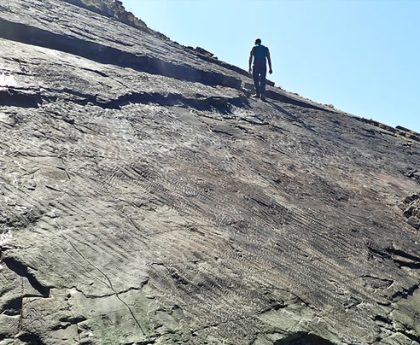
(258, 41)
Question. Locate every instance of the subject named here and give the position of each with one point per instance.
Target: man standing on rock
(260, 54)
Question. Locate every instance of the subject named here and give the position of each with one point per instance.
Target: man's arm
(269, 62)
(250, 60)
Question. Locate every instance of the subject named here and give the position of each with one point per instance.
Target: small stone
(414, 222)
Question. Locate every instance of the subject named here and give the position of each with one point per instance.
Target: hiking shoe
(256, 95)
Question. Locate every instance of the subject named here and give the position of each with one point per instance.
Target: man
(260, 54)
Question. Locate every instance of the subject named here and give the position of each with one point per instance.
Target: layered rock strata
(146, 199)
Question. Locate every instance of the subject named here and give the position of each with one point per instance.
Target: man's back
(260, 54)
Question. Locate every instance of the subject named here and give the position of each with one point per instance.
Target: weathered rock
(112, 9)
(411, 208)
(147, 200)
(414, 174)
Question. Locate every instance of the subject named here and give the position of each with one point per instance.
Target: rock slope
(146, 199)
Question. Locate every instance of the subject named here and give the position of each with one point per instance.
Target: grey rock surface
(146, 199)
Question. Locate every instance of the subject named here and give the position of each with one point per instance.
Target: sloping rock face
(112, 9)
(147, 200)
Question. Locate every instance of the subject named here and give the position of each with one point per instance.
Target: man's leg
(256, 75)
(263, 73)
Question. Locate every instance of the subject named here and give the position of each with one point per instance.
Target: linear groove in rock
(15, 98)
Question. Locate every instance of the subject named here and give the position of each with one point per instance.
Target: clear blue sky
(361, 56)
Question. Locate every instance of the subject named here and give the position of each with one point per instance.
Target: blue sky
(361, 56)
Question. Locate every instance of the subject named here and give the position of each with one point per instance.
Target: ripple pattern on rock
(146, 199)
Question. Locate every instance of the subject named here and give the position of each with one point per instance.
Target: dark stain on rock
(22, 270)
(303, 339)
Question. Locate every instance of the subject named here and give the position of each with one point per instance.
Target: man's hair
(258, 41)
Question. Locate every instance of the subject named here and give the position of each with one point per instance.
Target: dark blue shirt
(260, 54)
